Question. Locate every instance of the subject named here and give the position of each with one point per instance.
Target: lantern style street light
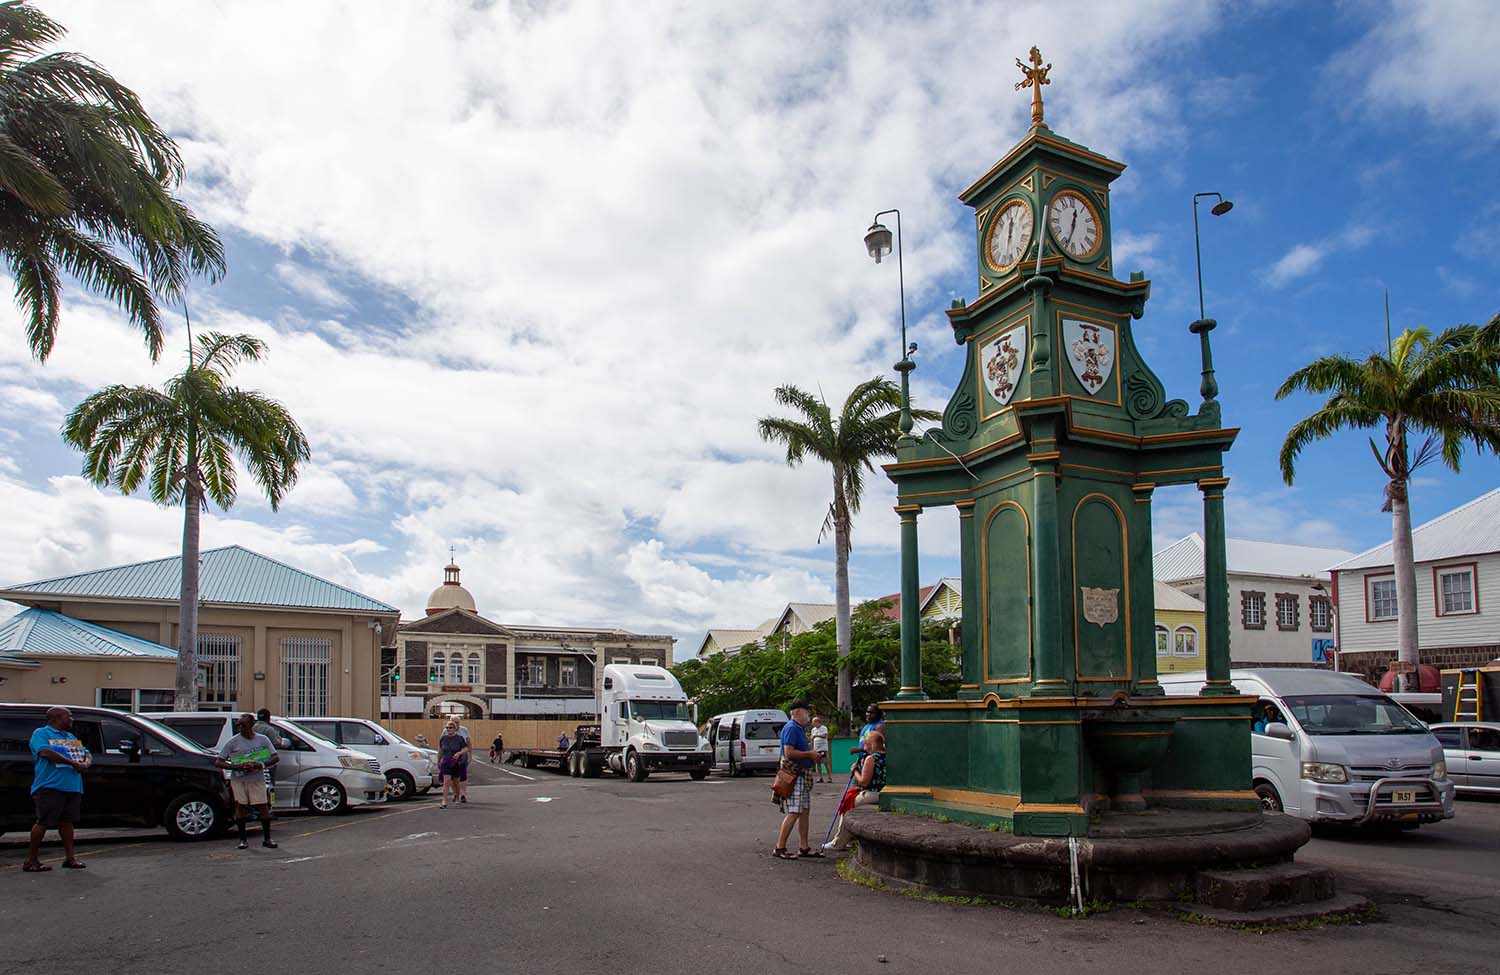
(878, 244)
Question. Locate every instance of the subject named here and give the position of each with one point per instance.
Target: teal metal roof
(232, 575)
(43, 633)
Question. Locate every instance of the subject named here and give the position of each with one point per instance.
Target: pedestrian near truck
(819, 736)
(248, 755)
(497, 750)
(797, 757)
(56, 787)
(453, 764)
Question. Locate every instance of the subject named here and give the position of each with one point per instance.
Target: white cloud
(1305, 258)
(619, 234)
(311, 283)
(1435, 57)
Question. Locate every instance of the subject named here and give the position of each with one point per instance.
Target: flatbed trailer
(584, 757)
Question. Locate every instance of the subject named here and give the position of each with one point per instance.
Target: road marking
(303, 859)
(518, 775)
(543, 798)
(416, 836)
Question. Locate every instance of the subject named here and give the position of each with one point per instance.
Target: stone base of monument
(1233, 863)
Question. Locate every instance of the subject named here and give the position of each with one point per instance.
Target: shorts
(249, 790)
(800, 801)
(54, 807)
(459, 772)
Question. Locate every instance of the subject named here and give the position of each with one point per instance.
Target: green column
(1215, 588)
(1051, 661)
(911, 619)
(968, 549)
(1143, 582)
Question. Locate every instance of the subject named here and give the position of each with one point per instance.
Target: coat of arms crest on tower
(1101, 606)
(1091, 352)
(1002, 361)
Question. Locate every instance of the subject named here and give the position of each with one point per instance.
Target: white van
(410, 770)
(1341, 751)
(744, 741)
(312, 772)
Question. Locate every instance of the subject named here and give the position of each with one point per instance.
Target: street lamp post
(878, 244)
(1209, 388)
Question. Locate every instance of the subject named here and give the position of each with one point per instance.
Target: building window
(536, 671)
(154, 700)
(117, 698)
(304, 666)
(1380, 598)
(567, 673)
(456, 668)
(1185, 642)
(1456, 595)
(218, 671)
(1288, 615)
(473, 668)
(650, 662)
(435, 669)
(1252, 610)
(1320, 613)
(1163, 641)
(619, 660)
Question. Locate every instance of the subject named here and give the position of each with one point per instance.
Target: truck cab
(647, 725)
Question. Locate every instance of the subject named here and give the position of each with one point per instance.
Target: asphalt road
(548, 874)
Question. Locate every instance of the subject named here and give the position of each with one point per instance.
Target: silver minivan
(746, 741)
(313, 773)
(410, 770)
(1335, 749)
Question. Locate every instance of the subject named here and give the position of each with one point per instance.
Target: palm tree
(1445, 389)
(85, 187)
(866, 429)
(181, 442)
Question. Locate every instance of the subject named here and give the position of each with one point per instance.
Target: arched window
(435, 669)
(473, 668)
(1163, 641)
(456, 668)
(1185, 642)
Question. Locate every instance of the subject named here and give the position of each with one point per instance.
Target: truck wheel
(593, 766)
(401, 786)
(1270, 800)
(575, 765)
(635, 769)
(193, 817)
(699, 774)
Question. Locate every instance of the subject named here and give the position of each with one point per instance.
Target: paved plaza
(549, 874)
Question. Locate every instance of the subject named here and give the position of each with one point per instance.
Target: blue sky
(529, 277)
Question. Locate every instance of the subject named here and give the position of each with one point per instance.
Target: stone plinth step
(1255, 888)
(1339, 905)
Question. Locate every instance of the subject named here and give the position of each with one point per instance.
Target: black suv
(142, 774)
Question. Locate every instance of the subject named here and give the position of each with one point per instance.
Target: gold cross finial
(1034, 77)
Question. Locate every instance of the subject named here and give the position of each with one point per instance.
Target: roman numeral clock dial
(1009, 235)
(1075, 224)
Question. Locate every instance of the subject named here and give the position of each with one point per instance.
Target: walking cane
(838, 811)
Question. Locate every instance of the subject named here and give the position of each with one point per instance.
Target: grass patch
(1363, 915)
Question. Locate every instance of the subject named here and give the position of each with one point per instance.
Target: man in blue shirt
(56, 787)
(797, 752)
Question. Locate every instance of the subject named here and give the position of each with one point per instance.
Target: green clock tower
(1052, 448)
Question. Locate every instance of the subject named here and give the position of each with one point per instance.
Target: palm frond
(1337, 414)
(220, 352)
(24, 176)
(100, 270)
(39, 293)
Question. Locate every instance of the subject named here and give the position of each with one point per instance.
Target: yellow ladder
(1466, 700)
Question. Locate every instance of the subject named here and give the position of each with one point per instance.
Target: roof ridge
(89, 572)
(1429, 523)
(293, 568)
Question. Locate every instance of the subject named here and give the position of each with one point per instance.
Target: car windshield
(660, 711)
(176, 737)
(1352, 714)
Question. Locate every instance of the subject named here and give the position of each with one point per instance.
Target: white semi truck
(645, 725)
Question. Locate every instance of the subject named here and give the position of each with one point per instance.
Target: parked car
(141, 775)
(1472, 749)
(313, 773)
(409, 770)
(744, 741)
(1342, 752)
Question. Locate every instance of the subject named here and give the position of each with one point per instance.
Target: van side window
(291, 743)
(357, 733)
(1448, 737)
(1484, 740)
(199, 731)
(734, 732)
(15, 733)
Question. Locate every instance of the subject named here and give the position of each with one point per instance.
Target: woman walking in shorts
(453, 763)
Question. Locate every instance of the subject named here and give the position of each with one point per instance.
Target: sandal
(810, 855)
(74, 865)
(43, 868)
(780, 853)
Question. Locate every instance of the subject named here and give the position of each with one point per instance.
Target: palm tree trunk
(841, 627)
(1406, 585)
(186, 698)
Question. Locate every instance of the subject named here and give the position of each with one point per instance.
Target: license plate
(1408, 795)
(767, 748)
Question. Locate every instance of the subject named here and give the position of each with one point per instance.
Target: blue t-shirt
(792, 734)
(55, 775)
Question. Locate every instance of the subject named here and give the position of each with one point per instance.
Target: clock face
(1075, 224)
(1009, 235)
